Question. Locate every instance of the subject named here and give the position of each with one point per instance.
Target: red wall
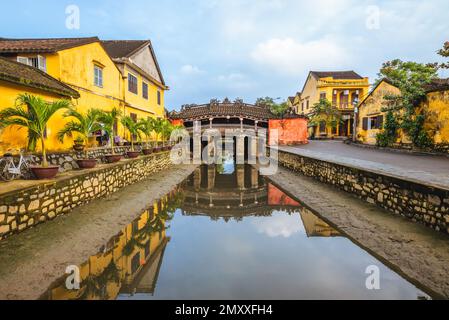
(290, 131)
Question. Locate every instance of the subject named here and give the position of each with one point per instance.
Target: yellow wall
(13, 139)
(437, 107)
(75, 67)
(372, 107)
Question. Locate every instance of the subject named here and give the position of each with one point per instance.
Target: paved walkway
(427, 169)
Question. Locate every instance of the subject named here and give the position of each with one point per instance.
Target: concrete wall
(420, 203)
(23, 209)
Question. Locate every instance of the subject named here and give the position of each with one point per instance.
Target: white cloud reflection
(280, 225)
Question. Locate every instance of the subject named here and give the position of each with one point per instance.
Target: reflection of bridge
(243, 193)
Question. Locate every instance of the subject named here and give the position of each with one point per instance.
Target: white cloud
(291, 57)
(191, 70)
(236, 81)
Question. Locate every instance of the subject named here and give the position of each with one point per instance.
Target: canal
(228, 233)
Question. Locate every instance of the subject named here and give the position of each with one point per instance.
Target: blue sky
(247, 48)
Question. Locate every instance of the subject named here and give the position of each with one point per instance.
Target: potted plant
(33, 113)
(78, 144)
(146, 126)
(134, 130)
(83, 125)
(157, 128)
(107, 120)
(166, 131)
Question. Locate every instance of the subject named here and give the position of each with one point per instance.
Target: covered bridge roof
(217, 109)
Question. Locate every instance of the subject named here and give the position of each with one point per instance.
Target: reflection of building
(243, 193)
(315, 227)
(128, 264)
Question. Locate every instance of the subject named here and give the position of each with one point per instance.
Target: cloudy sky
(247, 48)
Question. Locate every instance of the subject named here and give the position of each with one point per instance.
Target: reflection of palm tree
(95, 285)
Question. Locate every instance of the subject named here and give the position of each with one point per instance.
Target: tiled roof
(337, 75)
(123, 48)
(42, 45)
(28, 76)
(437, 85)
(260, 112)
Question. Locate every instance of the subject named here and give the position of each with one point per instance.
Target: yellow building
(371, 116)
(344, 89)
(294, 102)
(15, 78)
(122, 74)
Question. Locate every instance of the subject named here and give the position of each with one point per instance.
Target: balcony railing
(343, 106)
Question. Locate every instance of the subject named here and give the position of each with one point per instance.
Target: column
(197, 178)
(254, 178)
(211, 177)
(240, 173)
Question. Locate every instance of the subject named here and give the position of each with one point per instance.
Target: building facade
(103, 77)
(15, 79)
(344, 89)
(371, 116)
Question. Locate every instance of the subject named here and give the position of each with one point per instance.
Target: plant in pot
(78, 144)
(134, 130)
(166, 131)
(83, 125)
(157, 128)
(108, 120)
(146, 126)
(33, 113)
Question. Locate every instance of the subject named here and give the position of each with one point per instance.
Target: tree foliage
(278, 109)
(410, 78)
(132, 127)
(324, 111)
(444, 52)
(108, 119)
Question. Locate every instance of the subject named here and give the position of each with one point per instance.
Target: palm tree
(146, 126)
(158, 128)
(324, 111)
(108, 119)
(84, 125)
(163, 129)
(133, 128)
(33, 113)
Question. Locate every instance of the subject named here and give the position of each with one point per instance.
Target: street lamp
(356, 112)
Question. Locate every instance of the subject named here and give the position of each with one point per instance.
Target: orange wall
(278, 198)
(290, 131)
(177, 122)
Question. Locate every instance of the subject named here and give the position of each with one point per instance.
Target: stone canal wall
(418, 202)
(25, 208)
(67, 160)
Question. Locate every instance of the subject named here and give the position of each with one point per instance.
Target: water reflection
(228, 233)
(129, 263)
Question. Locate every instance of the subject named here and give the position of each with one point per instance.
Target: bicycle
(10, 171)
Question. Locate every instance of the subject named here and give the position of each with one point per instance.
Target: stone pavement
(427, 169)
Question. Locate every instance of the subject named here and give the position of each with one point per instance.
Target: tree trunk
(44, 153)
